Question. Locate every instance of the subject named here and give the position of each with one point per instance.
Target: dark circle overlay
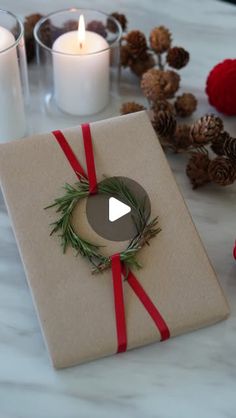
(123, 229)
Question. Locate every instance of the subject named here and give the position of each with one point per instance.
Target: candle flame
(81, 31)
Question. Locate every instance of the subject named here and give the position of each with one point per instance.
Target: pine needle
(64, 205)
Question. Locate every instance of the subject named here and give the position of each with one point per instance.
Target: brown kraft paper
(76, 308)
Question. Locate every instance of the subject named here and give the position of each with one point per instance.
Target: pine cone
(185, 105)
(131, 107)
(136, 43)
(142, 64)
(230, 148)
(121, 18)
(125, 56)
(217, 144)
(49, 33)
(197, 169)
(164, 124)
(181, 138)
(29, 24)
(71, 25)
(160, 39)
(177, 57)
(158, 85)
(222, 171)
(206, 129)
(172, 83)
(98, 27)
(162, 105)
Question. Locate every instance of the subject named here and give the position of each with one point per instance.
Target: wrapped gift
(83, 315)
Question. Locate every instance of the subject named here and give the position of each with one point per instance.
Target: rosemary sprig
(64, 205)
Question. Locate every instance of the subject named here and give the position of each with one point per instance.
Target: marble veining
(189, 376)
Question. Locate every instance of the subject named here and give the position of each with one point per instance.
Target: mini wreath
(114, 187)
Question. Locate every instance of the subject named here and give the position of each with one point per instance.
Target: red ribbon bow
(118, 269)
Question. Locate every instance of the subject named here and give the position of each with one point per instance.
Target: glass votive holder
(78, 55)
(13, 78)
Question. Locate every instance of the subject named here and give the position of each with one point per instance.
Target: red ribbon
(118, 269)
(74, 162)
(119, 303)
(88, 148)
(69, 153)
(149, 306)
(234, 250)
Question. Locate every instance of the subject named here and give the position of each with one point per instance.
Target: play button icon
(117, 209)
(111, 218)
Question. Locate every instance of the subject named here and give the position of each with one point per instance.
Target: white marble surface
(190, 376)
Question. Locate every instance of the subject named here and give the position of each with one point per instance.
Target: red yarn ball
(234, 251)
(221, 87)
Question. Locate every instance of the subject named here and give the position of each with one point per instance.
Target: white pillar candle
(81, 71)
(12, 115)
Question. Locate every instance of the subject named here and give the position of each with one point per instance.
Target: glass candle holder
(13, 78)
(78, 53)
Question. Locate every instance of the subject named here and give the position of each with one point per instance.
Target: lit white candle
(81, 71)
(12, 115)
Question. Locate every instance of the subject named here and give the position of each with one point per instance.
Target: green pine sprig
(64, 205)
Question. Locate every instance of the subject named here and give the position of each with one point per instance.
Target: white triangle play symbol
(117, 209)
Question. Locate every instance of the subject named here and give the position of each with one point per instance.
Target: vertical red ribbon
(118, 270)
(88, 148)
(74, 162)
(119, 303)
